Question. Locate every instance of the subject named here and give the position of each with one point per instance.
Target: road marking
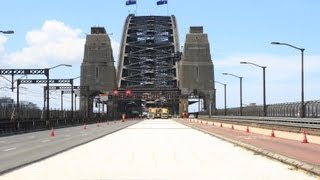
(2, 141)
(67, 135)
(47, 140)
(31, 137)
(10, 149)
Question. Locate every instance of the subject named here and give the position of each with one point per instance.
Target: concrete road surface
(26, 148)
(157, 149)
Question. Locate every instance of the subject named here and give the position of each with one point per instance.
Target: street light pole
(302, 115)
(240, 89)
(225, 96)
(264, 85)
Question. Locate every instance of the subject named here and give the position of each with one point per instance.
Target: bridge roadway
(285, 146)
(157, 149)
(23, 149)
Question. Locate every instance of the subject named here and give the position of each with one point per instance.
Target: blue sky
(48, 33)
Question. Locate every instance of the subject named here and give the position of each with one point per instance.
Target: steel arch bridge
(147, 65)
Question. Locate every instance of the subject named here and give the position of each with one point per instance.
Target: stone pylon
(97, 69)
(196, 71)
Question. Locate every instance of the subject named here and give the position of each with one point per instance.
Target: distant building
(7, 102)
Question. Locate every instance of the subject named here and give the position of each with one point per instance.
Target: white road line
(10, 149)
(31, 137)
(47, 140)
(2, 141)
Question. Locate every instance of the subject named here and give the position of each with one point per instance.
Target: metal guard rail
(313, 123)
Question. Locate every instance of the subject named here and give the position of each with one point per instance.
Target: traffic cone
(98, 125)
(85, 126)
(272, 133)
(52, 133)
(232, 127)
(212, 123)
(221, 125)
(305, 140)
(248, 131)
(201, 122)
(206, 122)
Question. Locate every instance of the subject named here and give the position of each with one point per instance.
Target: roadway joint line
(10, 149)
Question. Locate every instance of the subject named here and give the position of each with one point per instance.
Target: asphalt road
(23, 149)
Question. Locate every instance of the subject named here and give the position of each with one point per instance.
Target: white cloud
(115, 48)
(53, 43)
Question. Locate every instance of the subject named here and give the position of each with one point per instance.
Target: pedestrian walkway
(302, 155)
(158, 149)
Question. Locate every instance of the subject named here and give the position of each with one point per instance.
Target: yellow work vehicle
(164, 113)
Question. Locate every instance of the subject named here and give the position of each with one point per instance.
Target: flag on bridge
(162, 2)
(131, 2)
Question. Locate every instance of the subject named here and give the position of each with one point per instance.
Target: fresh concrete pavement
(157, 149)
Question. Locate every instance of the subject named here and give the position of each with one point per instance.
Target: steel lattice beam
(44, 81)
(22, 71)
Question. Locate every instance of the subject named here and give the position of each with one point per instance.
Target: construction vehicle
(164, 113)
(151, 113)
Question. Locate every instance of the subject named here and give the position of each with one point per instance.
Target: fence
(312, 109)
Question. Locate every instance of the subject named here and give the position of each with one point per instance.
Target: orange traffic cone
(52, 133)
(85, 126)
(248, 131)
(305, 140)
(232, 127)
(272, 133)
(221, 125)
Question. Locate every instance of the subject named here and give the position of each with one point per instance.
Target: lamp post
(225, 96)
(46, 72)
(264, 84)
(7, 32)
(302, 114)
(240, 89)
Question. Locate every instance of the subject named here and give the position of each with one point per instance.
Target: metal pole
(62, 100)
(48, 108)
(240, 96)
(18, 104)
(75, 102)
(264, 92)
(225, 99)
(12, 81)
(71, 82)
(302, 86)
(44, 99)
